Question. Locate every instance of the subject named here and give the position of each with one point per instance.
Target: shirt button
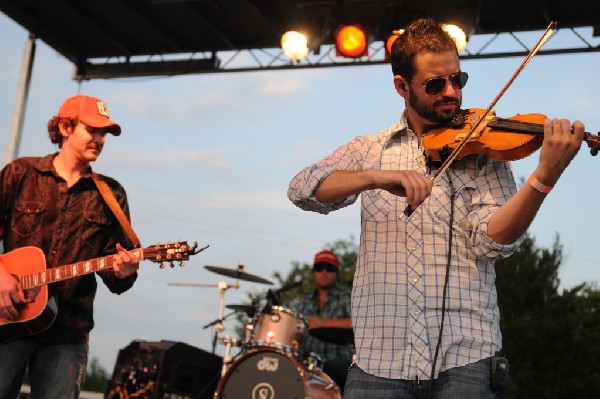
(416, 312)
(415, 280)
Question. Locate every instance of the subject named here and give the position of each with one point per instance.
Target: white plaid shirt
(399, 279)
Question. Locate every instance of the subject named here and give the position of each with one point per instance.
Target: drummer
(327, 307)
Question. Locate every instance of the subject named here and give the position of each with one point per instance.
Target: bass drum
(269, 373)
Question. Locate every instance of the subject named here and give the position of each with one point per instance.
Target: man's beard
(429, 112)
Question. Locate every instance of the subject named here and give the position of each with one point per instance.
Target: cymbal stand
(227, 359)
(223, 286)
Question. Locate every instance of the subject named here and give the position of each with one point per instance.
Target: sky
(208, 158)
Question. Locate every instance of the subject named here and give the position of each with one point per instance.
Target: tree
(552, 341)
(95, 377)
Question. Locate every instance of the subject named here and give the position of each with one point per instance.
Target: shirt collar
(45, 165)
(397, 130)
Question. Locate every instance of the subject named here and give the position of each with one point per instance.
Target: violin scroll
(593, 142)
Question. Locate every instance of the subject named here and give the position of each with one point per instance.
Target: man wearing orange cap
(53, 203)
(328, 307)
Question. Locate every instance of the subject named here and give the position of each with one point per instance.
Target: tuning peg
(181, 263)
(594, 151)
(162, 265)
(171, 264)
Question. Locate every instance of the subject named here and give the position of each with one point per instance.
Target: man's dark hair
(421, 34)
(54, 128)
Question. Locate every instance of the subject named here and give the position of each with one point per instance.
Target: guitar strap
(112, 203)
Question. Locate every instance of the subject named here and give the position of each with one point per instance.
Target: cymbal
(333, 335)
(238, 273)
(248, 309)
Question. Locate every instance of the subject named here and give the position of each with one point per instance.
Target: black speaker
(164, 369)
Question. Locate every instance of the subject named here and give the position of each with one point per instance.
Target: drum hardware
(227, 359)
(218, 323)
(250, 310)
(238, 274)
(313, 361)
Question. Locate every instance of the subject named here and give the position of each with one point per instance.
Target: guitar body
(38, 315)
(28, 266)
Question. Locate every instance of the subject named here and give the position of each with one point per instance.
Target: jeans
(55, 371)
(467, 382)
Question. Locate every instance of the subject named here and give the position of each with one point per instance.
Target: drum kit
(270, 363)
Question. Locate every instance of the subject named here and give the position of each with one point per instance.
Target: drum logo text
(268, 364)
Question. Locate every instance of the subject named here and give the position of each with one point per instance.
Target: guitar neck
(69, 271)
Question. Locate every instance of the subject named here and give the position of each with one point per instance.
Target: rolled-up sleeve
(496, 185)
(351, 156)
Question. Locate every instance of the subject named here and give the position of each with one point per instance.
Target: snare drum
(280, 328)
(269, 373)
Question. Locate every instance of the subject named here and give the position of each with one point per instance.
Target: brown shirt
(69, 225)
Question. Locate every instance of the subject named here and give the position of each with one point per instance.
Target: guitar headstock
(179, 251)
(593, 141)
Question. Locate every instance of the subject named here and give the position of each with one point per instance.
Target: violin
(479, 131)
(504, 139)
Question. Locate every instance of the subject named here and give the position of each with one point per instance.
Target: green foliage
(96, 377)
(552, 341)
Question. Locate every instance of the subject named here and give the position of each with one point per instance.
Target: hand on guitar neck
(25, 307)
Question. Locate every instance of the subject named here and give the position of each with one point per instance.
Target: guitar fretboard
(69, 271)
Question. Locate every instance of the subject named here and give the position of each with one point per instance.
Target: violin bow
(446, 164)
(448, 161)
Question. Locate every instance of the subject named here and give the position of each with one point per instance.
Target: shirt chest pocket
(96, 227)
(27, 217)
(440, 205)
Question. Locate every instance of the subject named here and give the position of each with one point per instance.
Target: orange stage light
(390, 41)
(351, 41)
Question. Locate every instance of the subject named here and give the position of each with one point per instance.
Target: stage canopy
(124, 38)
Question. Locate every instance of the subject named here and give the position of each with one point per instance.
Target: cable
(446, 278)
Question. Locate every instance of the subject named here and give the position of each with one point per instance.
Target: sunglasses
(434, 85)
(319, 267)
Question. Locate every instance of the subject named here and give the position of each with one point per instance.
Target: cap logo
(102, 110)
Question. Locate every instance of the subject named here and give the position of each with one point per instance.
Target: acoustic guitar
(28, 266)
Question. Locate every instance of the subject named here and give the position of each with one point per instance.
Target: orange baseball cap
(89, 110)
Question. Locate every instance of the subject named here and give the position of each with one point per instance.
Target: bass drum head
(269, 374)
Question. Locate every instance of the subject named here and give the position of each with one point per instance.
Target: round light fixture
(460, 38)
(295, 45)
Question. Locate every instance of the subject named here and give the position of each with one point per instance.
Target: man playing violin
(424, 304)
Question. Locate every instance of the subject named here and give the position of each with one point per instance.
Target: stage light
(391, 39)
(295, 45)
(351, 41)
(459, 36)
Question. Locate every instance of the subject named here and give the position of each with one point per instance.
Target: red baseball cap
(327, 257)
(89, 110)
